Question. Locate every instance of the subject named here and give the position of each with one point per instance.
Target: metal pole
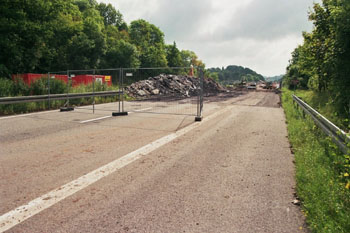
(48, 86)
(93, 92)
(119, 83)
(202, 92)
(200, 96)
(69, 83)
(122, 91)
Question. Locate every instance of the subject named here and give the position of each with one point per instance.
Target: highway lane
(40, 152)
(228, 175)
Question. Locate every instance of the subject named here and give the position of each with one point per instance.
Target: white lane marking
(38, 113)
(145, 109)
(96, 119)
(20, 214)
(29, 114)
(101, 118)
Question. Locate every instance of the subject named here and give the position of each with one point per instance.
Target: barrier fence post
(122, 91)
(66, 107)
(119, 84)
(200, 96)
(48, 89)
(93, 92)
(121, 95)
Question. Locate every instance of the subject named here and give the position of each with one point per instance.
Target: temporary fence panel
(176, 90)
(162, 90)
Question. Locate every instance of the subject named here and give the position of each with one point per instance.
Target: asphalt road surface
(83, 172)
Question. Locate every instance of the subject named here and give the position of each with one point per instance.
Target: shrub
(6, 86)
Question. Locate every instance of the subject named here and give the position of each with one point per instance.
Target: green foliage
(322, 63)
(57, 86)
(320, 172)
(6, 86)
(39, 87)
(173, 56)
(19, 88)
(236, 73)
(40, 36)
(149, 41)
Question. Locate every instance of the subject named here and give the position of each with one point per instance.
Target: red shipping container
(61, 77)
(29, 78)
(88, 79)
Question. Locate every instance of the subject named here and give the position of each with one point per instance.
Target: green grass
(320, 172)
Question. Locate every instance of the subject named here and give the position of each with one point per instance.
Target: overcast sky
(259, 34)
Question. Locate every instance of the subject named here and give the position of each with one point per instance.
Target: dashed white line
(140, 110)
(20, 214)
(96, 119)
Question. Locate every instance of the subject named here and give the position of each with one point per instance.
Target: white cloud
(259, 34)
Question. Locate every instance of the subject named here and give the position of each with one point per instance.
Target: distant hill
(233, 73)
(274, 78)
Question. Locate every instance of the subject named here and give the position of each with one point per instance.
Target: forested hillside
(274, 78)
(322, 62)
(40, 36)
(234, 73)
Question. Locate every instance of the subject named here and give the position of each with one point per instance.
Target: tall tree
(150, 42)
(173, 56)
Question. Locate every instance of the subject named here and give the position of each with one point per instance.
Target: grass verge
(321, 172)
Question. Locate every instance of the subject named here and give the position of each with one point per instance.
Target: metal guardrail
(338, 136)
(38, 98)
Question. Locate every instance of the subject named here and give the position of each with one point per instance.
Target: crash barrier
(338, 136)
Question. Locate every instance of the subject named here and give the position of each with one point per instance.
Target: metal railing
(38, 98)
(338, 136)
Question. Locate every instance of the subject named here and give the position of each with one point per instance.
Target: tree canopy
(40, 36)
(322, 62)
(234, 73)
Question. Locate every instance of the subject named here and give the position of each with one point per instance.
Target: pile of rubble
(172, 85)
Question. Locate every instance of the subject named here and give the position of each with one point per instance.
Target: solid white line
(96, 119)
(38, 113)
(28, 114)
(20, 214)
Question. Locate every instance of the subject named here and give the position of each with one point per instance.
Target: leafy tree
(236, 73)
(120, 54)
(150, 42)
(323, 61)
(173, 56)
(111, 16)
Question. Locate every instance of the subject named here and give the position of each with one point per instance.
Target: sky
(258, 34)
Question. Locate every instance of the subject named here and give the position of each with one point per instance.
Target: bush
(39, 87)
(19, 88)
(57, 86)
(6, 86)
